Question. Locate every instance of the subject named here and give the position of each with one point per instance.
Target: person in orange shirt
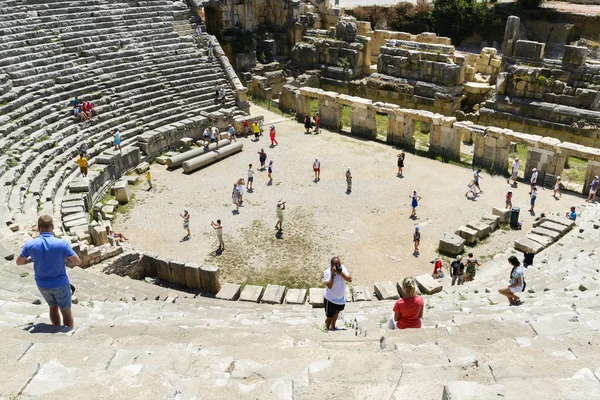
(83, 165)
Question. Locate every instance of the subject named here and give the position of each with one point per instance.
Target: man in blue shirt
(572, 215)
(48, 254)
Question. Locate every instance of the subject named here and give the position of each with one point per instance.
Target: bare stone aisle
(369, 229)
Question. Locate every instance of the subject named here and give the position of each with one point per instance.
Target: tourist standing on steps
(533, 198)
(408, 310)
(186, 222)
(416, 240)
(117, 139)
(401, 157)
(348, 181)
(219, 229)
(533, 179)
(476, 177)
(457, 270)
(334, 299)
(83, 165)
(270, 171)
(514, 172)
(414, 202)
(279, 213)
(593, 189)
(83, 149)
(307, 123)
(262, 157)
(149, 179)
(557, 187)
(235, 196)
(48, 254)
(211, 49)
(272, 135)
(317, 169)
(528, 258)
(471, 267)
(516, 282)
(250, 178)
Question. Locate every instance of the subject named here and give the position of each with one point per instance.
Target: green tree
(459, 19)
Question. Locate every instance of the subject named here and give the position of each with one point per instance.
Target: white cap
(185, 209)
(597, 177)
(558, 177)
(535, 169)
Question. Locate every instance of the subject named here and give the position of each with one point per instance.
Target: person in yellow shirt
(83, 165)
(149, 179)
(256, 129)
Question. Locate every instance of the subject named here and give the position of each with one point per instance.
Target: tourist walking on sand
(476, 177)
(471, 265)
(593, 189)
(219, 229)
(348, 181)
(457, 270)
(557, 188)
(533, 198)
(516, 282)
(408, 310)
(262, 157)
(509, 200)
(533, 179)
(235, 196)
(250, 178)
(272, 134)
(401, 157)
(317, 123)
(83, 165)
(149, 179)
(117, 139)
(471, 188)
(416, 240)
(186, 222)
(240, 188)
(279, 213)
(231, 134)
(256, 130)
(514, 172)
(414, 202)
(48, 254)
(317, 169)
(246, 128)
(270, 171)
(307, 123)
(334, 298)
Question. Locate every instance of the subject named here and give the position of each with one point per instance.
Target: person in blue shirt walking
(48, 254)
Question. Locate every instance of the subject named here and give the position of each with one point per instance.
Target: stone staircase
(134, 339)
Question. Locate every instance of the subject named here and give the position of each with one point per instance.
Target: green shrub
(530, 4)
(459, 19)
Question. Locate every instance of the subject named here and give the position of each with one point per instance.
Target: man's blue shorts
(60, 296)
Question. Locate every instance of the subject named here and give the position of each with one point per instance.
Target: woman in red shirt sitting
(408, 311)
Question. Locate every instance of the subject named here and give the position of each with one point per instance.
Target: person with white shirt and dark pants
(335, 278)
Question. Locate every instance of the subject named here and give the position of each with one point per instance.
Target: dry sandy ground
(369, 229)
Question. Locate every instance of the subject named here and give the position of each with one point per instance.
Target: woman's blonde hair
(410, 287)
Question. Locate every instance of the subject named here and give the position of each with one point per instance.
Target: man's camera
(338, 269)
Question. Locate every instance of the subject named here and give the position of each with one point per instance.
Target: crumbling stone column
(330, 111)
(302, 106)
(362, 118)
(444, 139)
(401, 129)
(491, 149)
(511, 33)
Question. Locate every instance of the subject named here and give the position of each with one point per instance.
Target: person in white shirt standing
(533, 179)
(317, 169)
(514, 172)
(335, 278)
(250, 180)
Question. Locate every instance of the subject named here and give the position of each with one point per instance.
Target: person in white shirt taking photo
(335, 278)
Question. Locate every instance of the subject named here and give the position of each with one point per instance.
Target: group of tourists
(84, 110)
(308, 123)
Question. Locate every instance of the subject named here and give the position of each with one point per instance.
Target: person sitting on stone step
(516, 282)
(408, 310)
(115, 235)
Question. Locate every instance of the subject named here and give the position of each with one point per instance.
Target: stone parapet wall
(380, 37)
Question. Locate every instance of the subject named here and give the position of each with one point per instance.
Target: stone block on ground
(543, 240)
(210, 278)
(546, 232)
(562, 229)
(386, 291)
(483, 230)
(229, 291)
(559, 220)
(122, 192)
(252, 293)
(178, 272)
(492, 220)
(452, 245)
(192, 276)
(525, 243)
(163, 268)
(142, 167)
(295, 296)
(162, 160)
(361, 293)
(273, 294)
(428, 285)
(503, 214)
(470, 235)
(186, 142)
(98, 234)
(315, 297)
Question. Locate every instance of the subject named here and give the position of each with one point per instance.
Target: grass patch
(575, 170)
(381, 121)
(314, 106)
(346, 116)
(24, 274)
(267, 104)
(11, 163)
(421, 138)
(42, 138)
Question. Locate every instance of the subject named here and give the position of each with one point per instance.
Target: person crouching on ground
(335, 278)
(408, 310)
(438, 272)
(48, 254)
(516, 283)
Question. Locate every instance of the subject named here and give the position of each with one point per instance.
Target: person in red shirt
(437, 268)
(246, 128)
(408, 311)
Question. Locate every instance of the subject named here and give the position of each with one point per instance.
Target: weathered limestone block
(483, 230)
(209, 276)
(295, 296)
(511, 33)
(230, 292)
(177, 272)
(252, 293)
(444, 139)
(428, 285)
(273, 294)
(470, 235)
(192, 276)
(546, 232)
(386, 291)
(143, 167)
(543, 240)
(361, 293)
(560, 220)
(330, 110)
(163, 268)
(452, 245)
(98, 234)
(503, 213)
(491, 220)
(560, 228)
(346, 30)
(122, 192)
(186, 142)
(524, 243)
(315, 297)
(574, 55)
(529, 49)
